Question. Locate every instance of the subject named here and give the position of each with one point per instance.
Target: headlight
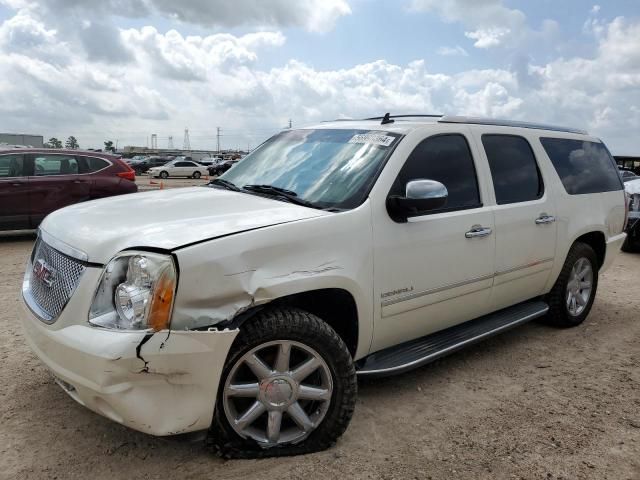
(135, 292)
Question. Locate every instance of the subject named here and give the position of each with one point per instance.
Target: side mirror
(421, 196)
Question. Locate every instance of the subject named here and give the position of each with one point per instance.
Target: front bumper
(161, 383)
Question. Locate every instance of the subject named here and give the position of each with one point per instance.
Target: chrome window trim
(74, 155)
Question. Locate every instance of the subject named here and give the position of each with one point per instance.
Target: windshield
(330, 168)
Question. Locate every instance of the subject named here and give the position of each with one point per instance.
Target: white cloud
(313, 15)
(172, 81)
(489, 22)
(488, 37)
(456, 51)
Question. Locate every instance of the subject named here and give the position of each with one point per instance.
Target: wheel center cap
(277, 392)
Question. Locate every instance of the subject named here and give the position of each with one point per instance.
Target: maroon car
(35, 182)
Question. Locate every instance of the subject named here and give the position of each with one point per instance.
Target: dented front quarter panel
(224, 277)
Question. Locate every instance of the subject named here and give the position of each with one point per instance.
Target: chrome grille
(50, 280)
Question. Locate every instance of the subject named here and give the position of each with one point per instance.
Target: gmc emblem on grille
(43, 271)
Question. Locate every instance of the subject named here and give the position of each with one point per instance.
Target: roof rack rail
(406, 116)
(508, 123)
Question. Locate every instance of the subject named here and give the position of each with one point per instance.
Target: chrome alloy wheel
(579, 286)
(278, 392)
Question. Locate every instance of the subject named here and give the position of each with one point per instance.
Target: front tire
(572, 296)
(197, 175)
(164, 174)
(288, 388)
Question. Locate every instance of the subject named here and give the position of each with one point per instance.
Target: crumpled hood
(165, 219)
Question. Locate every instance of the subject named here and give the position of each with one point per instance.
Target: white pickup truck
(247, 307)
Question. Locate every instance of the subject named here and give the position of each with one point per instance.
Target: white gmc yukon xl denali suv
(248, 307)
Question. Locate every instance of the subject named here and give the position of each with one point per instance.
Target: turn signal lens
(162, 301)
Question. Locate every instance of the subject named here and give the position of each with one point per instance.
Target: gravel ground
(532, 403)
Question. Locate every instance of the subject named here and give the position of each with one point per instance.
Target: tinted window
(55, 165)
(514, 170)
(446, 159)
(95, 164)
(11, 166)
(183, 164)
(583, 167)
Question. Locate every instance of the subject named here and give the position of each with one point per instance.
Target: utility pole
(170, 143)
(218, 138)
(290, 124)
(186, 143)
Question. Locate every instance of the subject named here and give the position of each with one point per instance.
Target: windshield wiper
(225, 184)
(283, 193)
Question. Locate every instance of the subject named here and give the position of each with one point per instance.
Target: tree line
(72, 144)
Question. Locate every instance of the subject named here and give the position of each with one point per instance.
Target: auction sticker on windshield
(373, 139)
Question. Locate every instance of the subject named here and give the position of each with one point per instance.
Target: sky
(122, 70)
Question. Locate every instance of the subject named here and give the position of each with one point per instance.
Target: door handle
(544, 219)
(16, 184)
(478, 231)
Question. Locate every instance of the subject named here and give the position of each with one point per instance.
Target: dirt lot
(533, 403)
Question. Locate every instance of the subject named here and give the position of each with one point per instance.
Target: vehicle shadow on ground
(22, 236)
(83, 428)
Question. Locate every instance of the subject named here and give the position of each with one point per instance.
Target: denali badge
(44, 272)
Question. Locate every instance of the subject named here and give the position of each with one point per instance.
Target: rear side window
(515, 173)
(55, 165)
(94, 164)
(583, 167)
(446, 159)
(11, 166)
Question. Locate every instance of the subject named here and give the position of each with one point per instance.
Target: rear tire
(572, 296)
(264, 335)
(629, 245)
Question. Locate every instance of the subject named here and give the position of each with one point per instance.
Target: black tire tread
(558, 315)
(296, 324)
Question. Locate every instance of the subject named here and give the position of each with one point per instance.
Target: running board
(415, 353)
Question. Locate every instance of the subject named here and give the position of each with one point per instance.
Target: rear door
(525, 218)
(183, 169)
(56, 182)
(14, 193)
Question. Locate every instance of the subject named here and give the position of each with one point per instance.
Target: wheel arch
(336, 306)
(596, 240)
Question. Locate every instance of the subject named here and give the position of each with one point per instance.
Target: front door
(14, 193)
(55, 182)
(435, 270)
(524, 218)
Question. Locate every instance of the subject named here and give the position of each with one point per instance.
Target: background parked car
(626, 174)
(209, 161)
(34, 182)
(632, 189)
(221, 166)
(145, 164)
(179, 168)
